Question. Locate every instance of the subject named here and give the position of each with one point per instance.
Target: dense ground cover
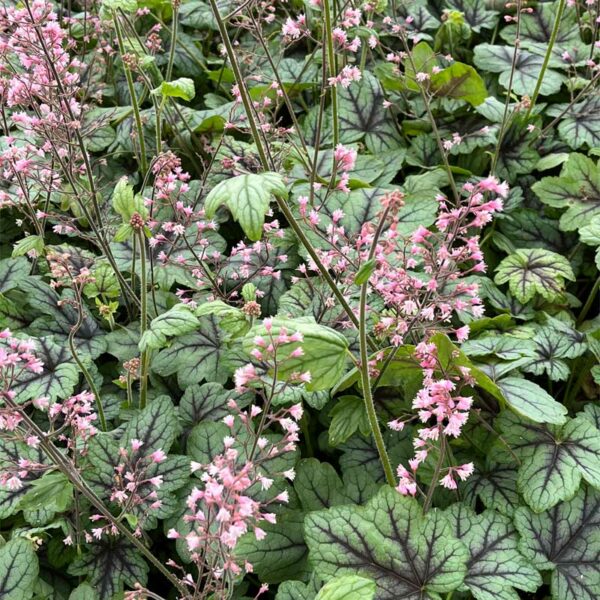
(299, 300)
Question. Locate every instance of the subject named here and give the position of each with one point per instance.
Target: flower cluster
(443, 411)
(235, 495)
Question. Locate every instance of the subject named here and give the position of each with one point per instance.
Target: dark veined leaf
(60, 317)
(363, 116)
(206, 402)
(176, 321)
(195, 356)
(476, 13)
(389, 540)
(495, 565)
(109, 565)
(496, 486)
(282, 554)
(58, 378)
(553, 343)
(554, 458)
(248, 198)
(498, 59)
(577, 189)
(18, 570)
(156, 427)
(325, 351)
(565, 541)
(532, 401)
(318, 485)
(535, 29)
(531, 271)
(347, 587)
(12, 272)
(580, 122)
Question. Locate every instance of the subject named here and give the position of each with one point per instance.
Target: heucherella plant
(299, 300)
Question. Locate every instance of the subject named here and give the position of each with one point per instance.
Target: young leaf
(53, 491)
(348, 417)
(18, 570)
(459, 81)
(554, 458)
(348, 587)
(27, 244)
(126, 203)
(248, 198)
(565, 541)
(495, 565)
(179, 88)
(532, 401)
(324, 351)
(534, 270)
(420, 557)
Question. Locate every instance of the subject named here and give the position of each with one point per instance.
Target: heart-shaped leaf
(390, 541)
(565, 541)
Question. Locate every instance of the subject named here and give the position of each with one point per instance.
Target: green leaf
(590, 234)
(125, 203)
(498, 59)
(554, 458)
(364, 272)
(348, 417)
(282, 554)
(109, 565)
(27, 244)
(83, 592)
(565, 541)
(179, 88)
(18, 570)
(363, 116)
(348, 587)
(53, 492)
(459, 81)
(495, 566)
(324, 349)
(155, 426)
(115, 5)
(577, 189)
(532, 401)
(176, 321)
(389, 540)
(195, 356)
(534, 270)
(248, 198)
